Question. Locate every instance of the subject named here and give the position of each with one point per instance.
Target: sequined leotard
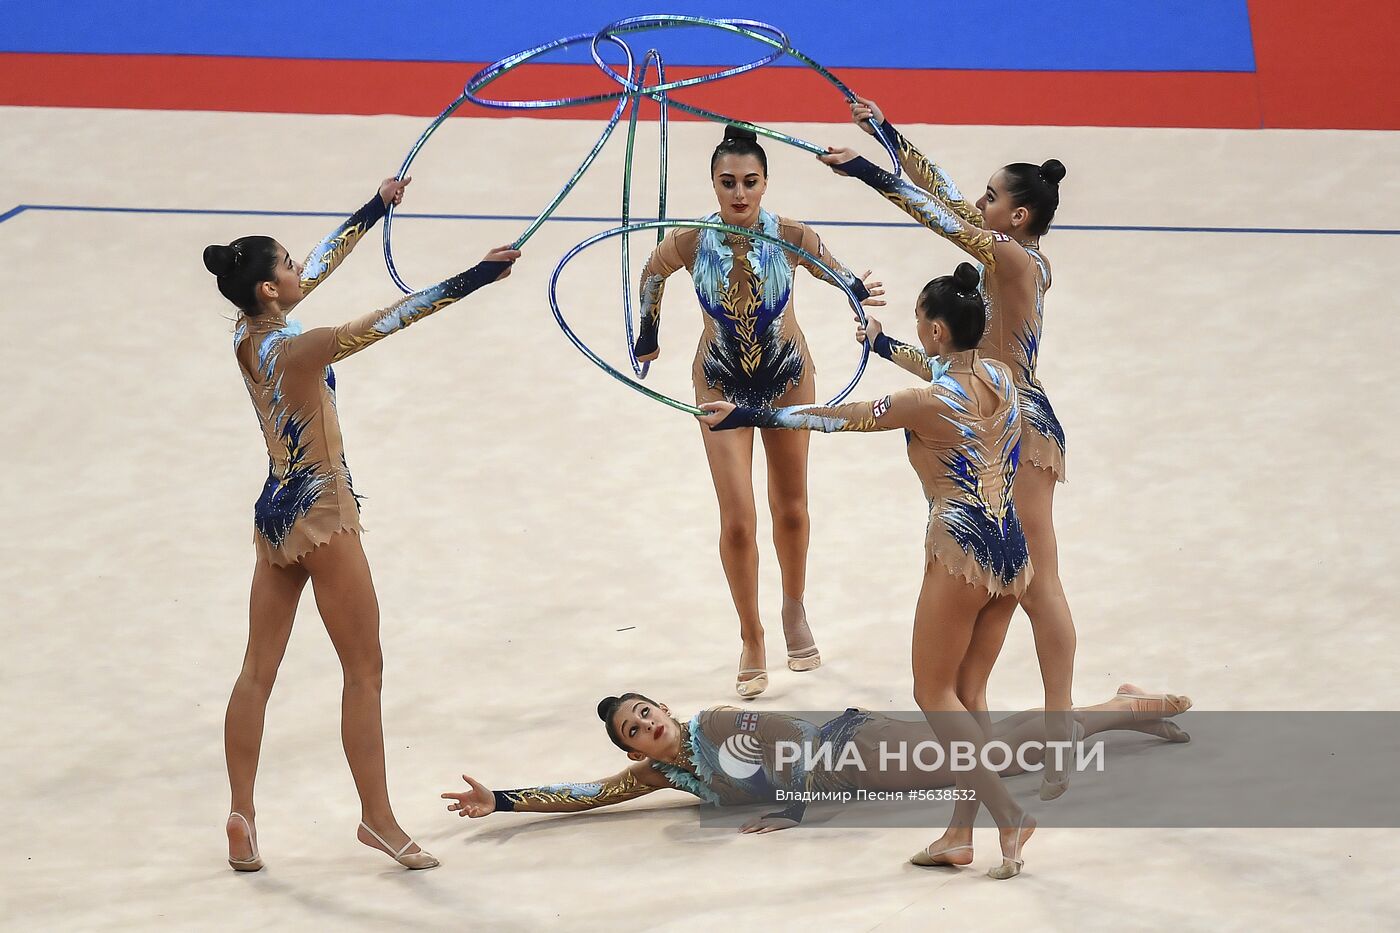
(1016, 310)
(752, 351)
(308, 496)
(964, 452)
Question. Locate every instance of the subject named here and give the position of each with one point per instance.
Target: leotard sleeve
(931, 177)
(986, 246)
(907, 409)
(332, 250)
(812, 243)
(904, 356)
(663, 261)
(323, 346)
(637, 781)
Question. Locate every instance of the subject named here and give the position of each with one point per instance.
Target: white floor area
(1227, 531)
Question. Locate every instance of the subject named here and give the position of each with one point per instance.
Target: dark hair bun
(1052, 170)
(966, 277)
(606, 706)
(738, 132)
(220, 260)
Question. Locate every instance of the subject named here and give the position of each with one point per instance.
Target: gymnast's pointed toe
(951, 857)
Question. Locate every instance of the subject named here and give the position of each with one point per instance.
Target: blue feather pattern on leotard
(989, 531)
(748, 359)
(1036, 411)
(291, 495)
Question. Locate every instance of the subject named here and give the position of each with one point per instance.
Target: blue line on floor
(525, 218)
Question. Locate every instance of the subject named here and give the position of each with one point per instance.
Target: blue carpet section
(1039, 35)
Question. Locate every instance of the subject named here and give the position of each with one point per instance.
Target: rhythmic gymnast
(1002, 232)
(306, 524)
(963, 433)
(689, 755)
(752, 353)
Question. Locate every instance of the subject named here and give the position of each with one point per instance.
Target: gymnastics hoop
(632, 79)
(631, 89)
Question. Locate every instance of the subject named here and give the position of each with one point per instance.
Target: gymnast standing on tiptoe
(1002, 232)
(752, 353)
(306, 524)
(963, 434)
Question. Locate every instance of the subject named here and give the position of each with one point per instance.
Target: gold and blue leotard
(308, 495)
(751, 352)
(1016, 314)
(964, 452)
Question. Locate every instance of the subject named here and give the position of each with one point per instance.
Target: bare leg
(350, 610)
(787, 501)
(988, 636)
(1045, 604)
(730, 454)
(272, 605)
(1017, 730)
(948, 612)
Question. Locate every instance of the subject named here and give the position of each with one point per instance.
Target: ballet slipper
(415, 861)
(1152, 705)
(927, 858)
(254, 862)
(750, 681)
(804, 658)
(748, 689)
(1053, 790)
(1012, 864)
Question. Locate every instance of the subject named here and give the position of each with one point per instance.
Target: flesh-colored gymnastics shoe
(253, 862)
(802, 653)
(415, 861)
(1012, 864)
(927, 857)
(748, 689)
(1051, 790)
(1152, 705)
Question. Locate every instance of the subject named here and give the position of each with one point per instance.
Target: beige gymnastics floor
(1229, 401)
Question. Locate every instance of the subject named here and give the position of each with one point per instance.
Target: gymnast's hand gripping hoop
(632, 79)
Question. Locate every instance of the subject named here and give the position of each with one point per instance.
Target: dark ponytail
(241, 266)
(740, 142)
(1037, 189)
(955, 300)
(607, 709)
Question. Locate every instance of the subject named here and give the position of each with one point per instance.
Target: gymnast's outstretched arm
(903, 355)
(322, 346)
(664, 260)
(911, 359)
(911, 409)
(636, 781)
(332, 250)
(921, 170)
(986, 246)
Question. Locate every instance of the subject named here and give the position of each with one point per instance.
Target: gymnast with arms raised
(751, 352)
(306, 523)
